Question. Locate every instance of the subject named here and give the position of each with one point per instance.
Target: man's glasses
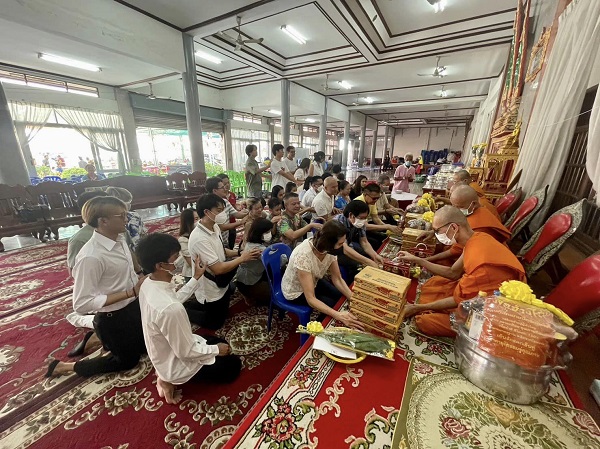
(123, 215)
(443, 226)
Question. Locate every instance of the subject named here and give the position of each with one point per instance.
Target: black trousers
(376, 238)
(231, 239)
(350, 265)
(259, 292)
(210, 315)
(121, 334)
(226, 368)
(325, 292)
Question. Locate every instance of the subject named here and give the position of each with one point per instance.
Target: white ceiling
(137, 41)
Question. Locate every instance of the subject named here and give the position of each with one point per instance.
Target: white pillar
(361, 148)
(346, 150)
(13, 169)
(374, 146)
(192, 104)
(323, 128)
(129, 129)
(285, 112)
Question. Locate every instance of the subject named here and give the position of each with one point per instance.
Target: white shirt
(209, 247)
(276, 178)
(103, 266)
(323, 204)
(290, 164)
(176, 353)
(308, 197)
(186, 270)
(304, 259)
(299, 174)
(318, 170)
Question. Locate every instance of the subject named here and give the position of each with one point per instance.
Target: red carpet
(119, 410)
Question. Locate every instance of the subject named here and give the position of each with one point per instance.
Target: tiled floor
(65, 233)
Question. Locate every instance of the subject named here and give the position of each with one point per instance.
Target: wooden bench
(11, 199)
(61, 200)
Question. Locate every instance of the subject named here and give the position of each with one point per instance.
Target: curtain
(100, 128)
(35, 116)
(482, 124)
(554, 117)
(593, 149)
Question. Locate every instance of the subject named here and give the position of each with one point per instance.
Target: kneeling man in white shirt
(177, 354)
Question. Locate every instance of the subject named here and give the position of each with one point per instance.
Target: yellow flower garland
(428, 216)
(423, 202)
(519, 291)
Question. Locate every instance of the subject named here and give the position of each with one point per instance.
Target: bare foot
(92, 344)
(167, 390)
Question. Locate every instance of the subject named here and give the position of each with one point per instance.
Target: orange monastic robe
(484, 201)
(482, 220)
(487, 264)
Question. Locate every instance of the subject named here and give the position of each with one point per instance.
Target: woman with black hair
(187, 221)
(357, 187)
(304, 170)
(291, 187)
(303, 281)
(278, 192)
(252, 279)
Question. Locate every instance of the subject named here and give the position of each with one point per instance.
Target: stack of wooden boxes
(411, 245)
(378, 301)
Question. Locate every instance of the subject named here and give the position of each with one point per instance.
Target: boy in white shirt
(178, 355)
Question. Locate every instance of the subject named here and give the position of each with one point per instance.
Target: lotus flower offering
(351, 339)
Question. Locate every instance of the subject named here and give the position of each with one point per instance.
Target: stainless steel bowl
(498, 377)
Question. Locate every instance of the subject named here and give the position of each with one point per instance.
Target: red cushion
(579, 292)
(525, 209)
(505, 202)
(552, 230)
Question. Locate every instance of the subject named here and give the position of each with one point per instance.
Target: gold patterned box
(376, 323)
(376, 312)
(382, 283)
(380, 302)
(379, 333)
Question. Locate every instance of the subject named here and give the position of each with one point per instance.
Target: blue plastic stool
(271, 259)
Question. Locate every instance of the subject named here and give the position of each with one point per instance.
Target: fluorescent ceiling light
(82, 92)
(208, 57)
(368, 100)
(274, 111)
(69, 62)
(12, 81)
(291, 32)
(344, 85)
(310, 120)
(439, 5)
(47, 87)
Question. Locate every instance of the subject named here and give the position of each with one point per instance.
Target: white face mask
(175, 272)
(267, 237)
(445, 240)
(220, 218)
(467, 211)
(360, 223)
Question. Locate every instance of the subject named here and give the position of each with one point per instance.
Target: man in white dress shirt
(177, 354)
(280, 174)
(290, 159)
(205, 243)
(106, 284)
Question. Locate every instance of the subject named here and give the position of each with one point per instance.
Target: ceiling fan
(438, 72)
(325, 87)
(239, 42)
(444, 93)
(151, 96)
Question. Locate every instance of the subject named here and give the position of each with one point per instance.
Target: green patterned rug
(442, 409)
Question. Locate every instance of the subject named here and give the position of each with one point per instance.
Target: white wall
(410, 140)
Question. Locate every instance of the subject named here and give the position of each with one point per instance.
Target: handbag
(222, 280)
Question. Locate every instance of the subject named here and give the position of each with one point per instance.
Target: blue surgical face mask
(408, 163)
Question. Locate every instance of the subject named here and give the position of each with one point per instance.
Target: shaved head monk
(463, 177)
(486, 264)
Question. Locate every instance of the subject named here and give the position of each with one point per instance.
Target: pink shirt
(403, 172)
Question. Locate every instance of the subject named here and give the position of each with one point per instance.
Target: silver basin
(498, 377)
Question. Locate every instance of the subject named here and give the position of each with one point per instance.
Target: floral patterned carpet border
(315, 402)
(443, 409)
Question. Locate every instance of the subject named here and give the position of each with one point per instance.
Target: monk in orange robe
(484, 264)
(480, 219)
(463, 177)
